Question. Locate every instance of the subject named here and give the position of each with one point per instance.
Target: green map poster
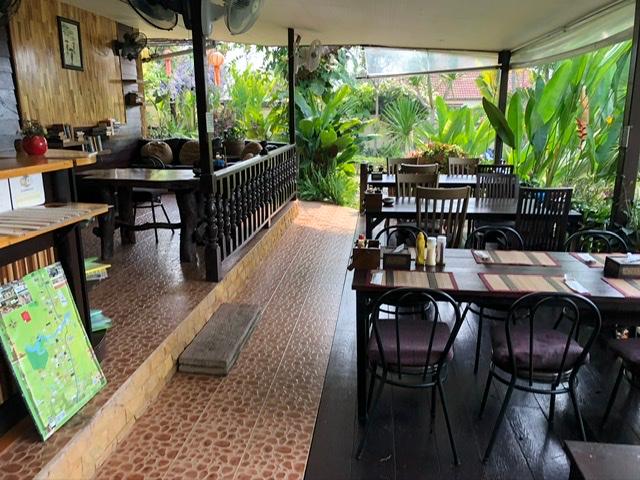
(47, 347)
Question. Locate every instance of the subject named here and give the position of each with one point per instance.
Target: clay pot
(233, 148)
(36, 145)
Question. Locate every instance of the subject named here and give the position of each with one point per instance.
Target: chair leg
(485, 395)
(576, 408)
(164, 210)
(552, 405)
(153, 216)
(496, 428)
(433, 409)
(614, 394)
(466, 310)
(372, 382)
(445, 411)
(367, 426)
(478, 341)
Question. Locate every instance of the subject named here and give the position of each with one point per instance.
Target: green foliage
(335, 187)
(402, 120)
(33, 128)
(438, 152)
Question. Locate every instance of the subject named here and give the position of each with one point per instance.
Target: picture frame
(70, 44)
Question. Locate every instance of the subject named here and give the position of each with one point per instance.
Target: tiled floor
(258, 421)
(148, 293)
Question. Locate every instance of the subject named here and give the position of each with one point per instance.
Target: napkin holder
(376, 176)
(396, 260)
(619, 267)
(366, 258)
(373, 202)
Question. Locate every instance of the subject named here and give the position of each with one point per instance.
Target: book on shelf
(99, 321)
(95, 270)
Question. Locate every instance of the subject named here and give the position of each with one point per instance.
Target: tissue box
(619, 267)
(366, 258)
(396, 261)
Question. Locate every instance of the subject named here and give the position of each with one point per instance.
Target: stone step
(216, 347)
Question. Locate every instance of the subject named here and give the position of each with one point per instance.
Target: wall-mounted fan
(131, 45)
(7, 9)
(309, 57)
(240, 15)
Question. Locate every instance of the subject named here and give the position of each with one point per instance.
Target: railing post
(504, 58)
(364, 173)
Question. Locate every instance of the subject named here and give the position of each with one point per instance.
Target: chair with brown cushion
(393, 164)
(463, 166)
(412, 351)
(629, 353)
(496, 185)
(429, 168)
(540, 349)
(542, 217)
(406, 183)
(495, 168)
(443, 211)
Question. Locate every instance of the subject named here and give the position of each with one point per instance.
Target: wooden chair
(412, 351)
(629, 353)
(542, 217)
(532, 354)
(596, 241)
(429, 168)
(443, 211)
(496, 185)
(393, 164)
(463, 166)
(406, 183)
(495, 168)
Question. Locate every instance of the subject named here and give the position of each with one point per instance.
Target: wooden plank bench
(215, 349)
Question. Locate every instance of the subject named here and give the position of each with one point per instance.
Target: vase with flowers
(34, 140)
(234, 137)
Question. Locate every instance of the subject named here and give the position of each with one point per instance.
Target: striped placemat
(414, 279)
(599, 258)
(629, 287)
(497, 282)
(514, 257)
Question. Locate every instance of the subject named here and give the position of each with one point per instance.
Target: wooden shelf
(17, 165)
(24, 224)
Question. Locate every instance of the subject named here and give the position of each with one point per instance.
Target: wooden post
(207, 180)
(629, 150)
(364, 175)
(504, 58)
(291, 77)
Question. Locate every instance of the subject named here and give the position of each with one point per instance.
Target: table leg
(361, 353)
(106, 222)
(125, 215)
(188, 208)
(371, 222)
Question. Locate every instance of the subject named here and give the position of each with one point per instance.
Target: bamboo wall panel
(51, 94)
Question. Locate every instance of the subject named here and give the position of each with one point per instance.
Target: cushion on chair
(548, 348)
(629, 352)
(414, 342)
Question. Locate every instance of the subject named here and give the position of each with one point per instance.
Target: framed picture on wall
(70, 43)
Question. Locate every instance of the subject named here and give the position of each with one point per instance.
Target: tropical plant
(403, 120)
(438, 152)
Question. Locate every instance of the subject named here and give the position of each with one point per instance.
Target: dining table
(444, 181)
(482, 209)
(469, 278)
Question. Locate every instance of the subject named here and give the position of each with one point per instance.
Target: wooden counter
(17, 165)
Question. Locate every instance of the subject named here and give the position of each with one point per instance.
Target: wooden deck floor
(400, 444)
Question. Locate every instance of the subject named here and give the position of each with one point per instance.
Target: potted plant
(33, 138)
(234, 139)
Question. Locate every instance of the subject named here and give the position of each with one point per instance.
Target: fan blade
(241, 15)
(156, 14)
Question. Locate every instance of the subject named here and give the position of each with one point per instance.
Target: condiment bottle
(441, 247)
(431, 252)
(420, 249)
(361, 243)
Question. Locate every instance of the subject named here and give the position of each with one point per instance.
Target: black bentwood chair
(629, 353)
(496, 237)
(412, 352)
(528, 349)
(596, 241)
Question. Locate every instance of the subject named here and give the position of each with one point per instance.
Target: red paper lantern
(167, 63)
(215, 60)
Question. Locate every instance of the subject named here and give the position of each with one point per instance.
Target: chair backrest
(542, 216)
(498, 237)
(495, 168)
(496, 185)
(443, 211)
(406, 183)
(393, 164)
(432, 306)
(463, 166)
(429, 168)
(395, 235)
(596, 241)
(573, 315)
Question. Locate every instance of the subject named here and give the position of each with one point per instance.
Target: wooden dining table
(484, 209)
(470, 286)
(444, 180)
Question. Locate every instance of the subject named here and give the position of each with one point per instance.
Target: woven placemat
(496, 282)
(629, 287)
(414, 279)
(514, 257)
(599, 258)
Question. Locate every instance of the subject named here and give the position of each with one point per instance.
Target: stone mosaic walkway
(257, 422)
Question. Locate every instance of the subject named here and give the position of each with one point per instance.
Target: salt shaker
(431, 251)
(441, 247)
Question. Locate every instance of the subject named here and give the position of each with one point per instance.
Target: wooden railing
(249, 194)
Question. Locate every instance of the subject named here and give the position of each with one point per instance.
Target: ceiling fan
(239, 15)
(309, 57)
